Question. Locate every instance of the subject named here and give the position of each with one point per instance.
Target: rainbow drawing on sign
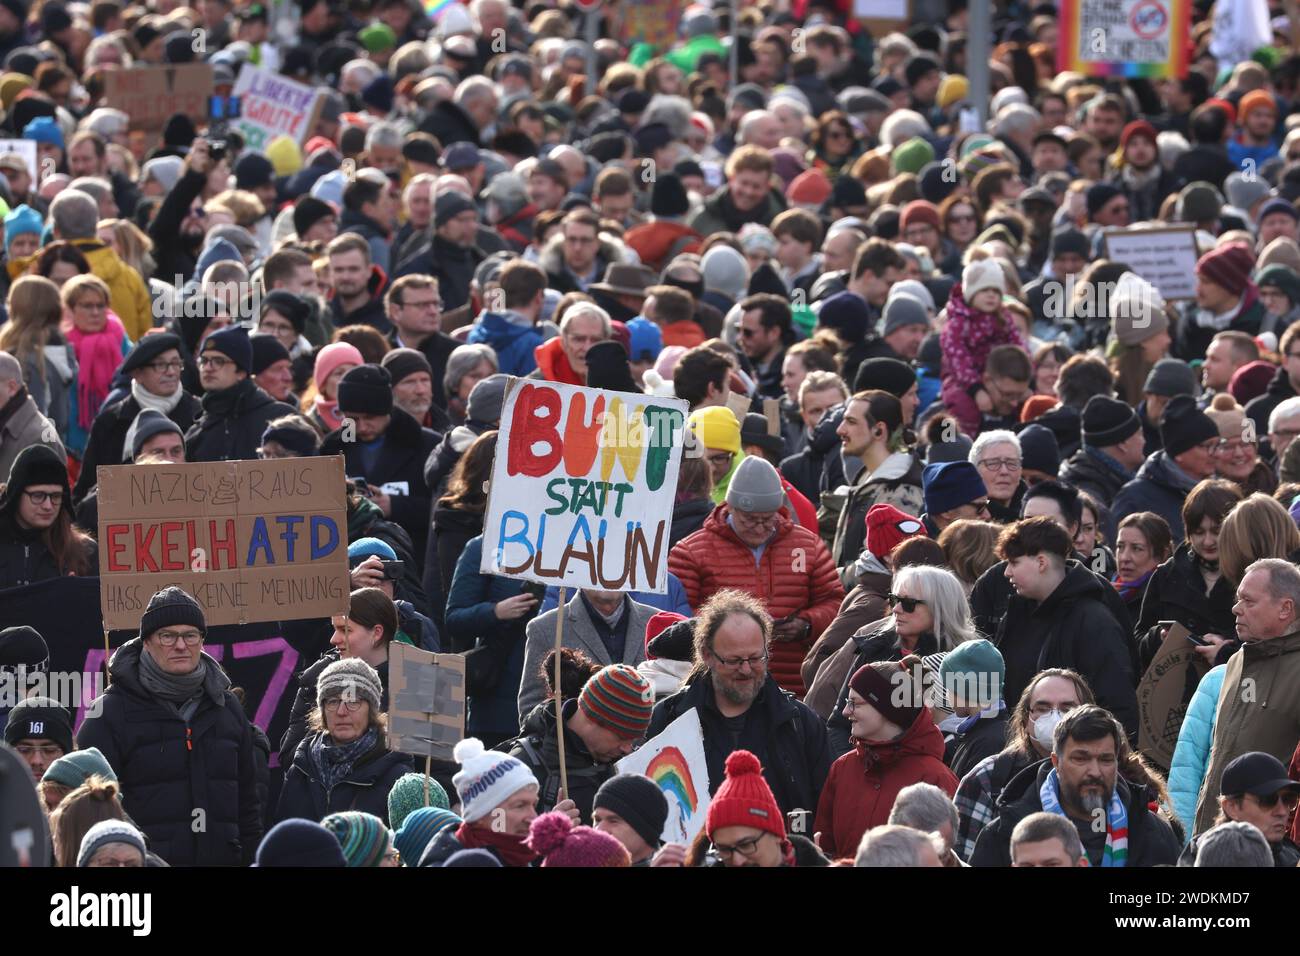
(672, 773)
(436, 8)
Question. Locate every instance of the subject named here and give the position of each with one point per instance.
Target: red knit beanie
(878, 685)
(658, 624)
(744, 799)
(1136, 128)
(1228, 266)
(810, 187)
(1229, 110)
(1038, 405)
(918, 212)
(887, 528)
(1251, 380)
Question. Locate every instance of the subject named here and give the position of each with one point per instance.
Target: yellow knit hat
(285, 156)
(11, 84)
(953, 88)
(716, 427)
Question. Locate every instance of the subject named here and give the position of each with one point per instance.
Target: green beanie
(975, 671)
(72, 770)
(912, 156)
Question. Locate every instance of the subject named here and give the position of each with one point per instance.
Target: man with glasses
(235, 411)
(579, 259)
(154, 368)
(741, 708)
(1190, 454)
(40, 729)
(766, 329)
(996, 454)
(564, 358)
(1257, 790)
(952, 490)
(1006, 383)
(178, 740)
(415, 304)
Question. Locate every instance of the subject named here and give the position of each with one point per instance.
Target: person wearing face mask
(1051, 695)
(1082, 782)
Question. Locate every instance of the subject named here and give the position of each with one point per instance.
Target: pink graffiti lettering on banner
(279, 680)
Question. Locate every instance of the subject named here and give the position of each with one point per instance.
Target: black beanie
(308, 211)
(23, 646)
(668, 196)
(1066, 241)
(178, 48)
(366, 389)
(40, 718)
(290, 305)
(766, 279)
(1108, 421)
(401, 363)
(639, 801)
(179, 129)
(35, 465)
(607, 367)
(887, 374)
(267, 350)
(232, 342)
(1184, 426)
(171, 606)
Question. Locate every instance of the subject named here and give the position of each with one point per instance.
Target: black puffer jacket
(539, 750)
(406, 446)
(171, 768)
(1176, 592)
(804, 470)
(1156, 488)
(107, 441)
(450, 263)
(365, 788)
(787, 738)
(1090, 474)
(232, 423)
(25, 558)
(442, 460)
(688, 518)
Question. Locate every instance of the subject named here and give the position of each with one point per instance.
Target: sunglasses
(908, 604)
(1289, 799)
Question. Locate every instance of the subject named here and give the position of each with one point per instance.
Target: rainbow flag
(434, 9)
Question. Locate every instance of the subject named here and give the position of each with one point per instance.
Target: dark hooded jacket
(1156, 487)
(450, 124)
(805, 469)
(372, 313)
(539, 750)
(365, 788)
(233, 422)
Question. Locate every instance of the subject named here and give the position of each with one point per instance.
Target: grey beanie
(956, 450)
(755, 486)
(352, 677)
(486, 399)
(903, 310)
(1171, 377)
(110, 831)
(1243, 191)
(148, 424)
(725, 270)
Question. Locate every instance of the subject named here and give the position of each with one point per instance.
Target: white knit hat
(488, 778)
(982, 274)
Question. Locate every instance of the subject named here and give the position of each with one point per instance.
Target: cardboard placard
(1160, 692)
(272, 105)
(882, 17)
(27, 149)
(250, 540)
(1129, 38)
(426, 701)
(583, 486)
(1164, 257)
(151, 94)
(675, 761)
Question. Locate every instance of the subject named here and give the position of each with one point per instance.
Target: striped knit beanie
(363, 836)
(421, 827)
(620, 699)
(407, 796)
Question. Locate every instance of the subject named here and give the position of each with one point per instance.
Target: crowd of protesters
(958, 479)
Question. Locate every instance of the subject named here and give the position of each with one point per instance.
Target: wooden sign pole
(559, 714)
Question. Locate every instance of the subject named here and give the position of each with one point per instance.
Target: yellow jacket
(128, 292)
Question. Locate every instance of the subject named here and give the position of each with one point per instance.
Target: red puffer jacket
(863, 784)
(794, 576)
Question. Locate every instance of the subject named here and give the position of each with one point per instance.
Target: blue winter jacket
(513, 344)
(1192, 753)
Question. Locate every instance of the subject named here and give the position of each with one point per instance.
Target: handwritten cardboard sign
(1146, 38)
(272, 105)
(583, 486)
(250, 540)
(675, 761)
(151, 94)
(426, 701)
(1161, 695)
(1164, 257)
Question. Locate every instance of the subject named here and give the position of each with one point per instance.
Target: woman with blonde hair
(94, 801)
(100, 342)
(971, 549)
(32, 337)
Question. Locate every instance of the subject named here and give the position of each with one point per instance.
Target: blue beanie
(420, 828)
(647, 339)
(951, 484)
(44, 129)
(297, 842)
(21, 220)
(232, 342)
(363, 548)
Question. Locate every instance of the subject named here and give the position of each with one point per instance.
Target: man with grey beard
(1081, 782)
(741, 707)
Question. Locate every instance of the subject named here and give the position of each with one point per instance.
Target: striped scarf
(1116, 852)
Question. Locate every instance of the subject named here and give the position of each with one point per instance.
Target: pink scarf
(328, 412)
(99, 354)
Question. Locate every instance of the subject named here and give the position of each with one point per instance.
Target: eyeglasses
(1289, 799)
(744, 847)
(755, 519)
(50, 751)
(169, 638)
(1236, 447)
(1210, 446)
(352, 705)
(735, 663)
(40, 497)
(908, 604)
(747, 333)
(163, 367)
(425, 304)
(961, 217)
(213, 362)
(720, 458)
(1000, 464)
(981, 507)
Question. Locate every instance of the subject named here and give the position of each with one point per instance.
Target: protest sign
(26, 148)
(1132, 38)
(272, 105)
(882, 16)
(1164, 257)
(675, 761)
(651, 21)
(250, 540)
(1163, 694)
(583, 486)
(426, 701)
(150, 95)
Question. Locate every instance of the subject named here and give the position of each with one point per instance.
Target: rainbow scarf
(1129, 589)
(1116, 852)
